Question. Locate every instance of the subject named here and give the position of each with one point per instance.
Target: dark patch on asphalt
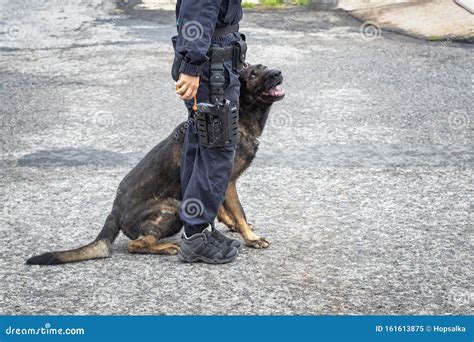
(366, 156)
(295, 19)
(158, 16)
(77, 157)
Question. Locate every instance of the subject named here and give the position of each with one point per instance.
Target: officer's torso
(230, 12)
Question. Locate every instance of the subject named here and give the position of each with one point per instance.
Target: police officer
(204, 25)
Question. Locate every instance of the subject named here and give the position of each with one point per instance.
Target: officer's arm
(196, 23)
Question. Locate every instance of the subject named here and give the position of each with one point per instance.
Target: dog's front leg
(226, 218)
(233, 208)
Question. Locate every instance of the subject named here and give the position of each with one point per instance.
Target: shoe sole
(200, 258)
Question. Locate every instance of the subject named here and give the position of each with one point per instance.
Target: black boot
(204, 247)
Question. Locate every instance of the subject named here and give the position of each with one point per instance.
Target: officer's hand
(187, 86)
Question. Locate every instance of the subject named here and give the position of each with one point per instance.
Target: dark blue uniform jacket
(196, 21)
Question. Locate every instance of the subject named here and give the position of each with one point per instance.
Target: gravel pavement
(363, 182)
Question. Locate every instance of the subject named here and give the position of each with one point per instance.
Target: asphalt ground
(362, 184)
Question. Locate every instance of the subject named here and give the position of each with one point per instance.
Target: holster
(217, 124)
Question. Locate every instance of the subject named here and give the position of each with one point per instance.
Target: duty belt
(217, 56)
(236, 53)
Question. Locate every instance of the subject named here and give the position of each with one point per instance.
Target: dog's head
(260, 85)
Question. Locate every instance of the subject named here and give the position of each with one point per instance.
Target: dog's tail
(101, 247)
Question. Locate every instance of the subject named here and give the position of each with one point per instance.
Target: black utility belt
(235, 53)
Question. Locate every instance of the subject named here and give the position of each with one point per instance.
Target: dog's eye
(253, 76)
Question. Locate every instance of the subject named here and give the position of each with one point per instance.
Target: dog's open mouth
(275, 93)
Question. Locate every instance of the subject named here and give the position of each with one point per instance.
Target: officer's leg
(190, 150)
(205, 178)
(191, 185)
(205, 175)
(206, 171)
(190, 144)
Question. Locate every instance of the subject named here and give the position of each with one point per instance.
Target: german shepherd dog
(148, 198)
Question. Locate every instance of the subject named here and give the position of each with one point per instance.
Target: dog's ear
(244, 72)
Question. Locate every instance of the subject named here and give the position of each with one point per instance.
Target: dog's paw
(151, 246)
(258, 243)
(251, 226)
(172, 250)
(137, 246)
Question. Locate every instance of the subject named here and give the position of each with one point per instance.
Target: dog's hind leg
(233, 207)
(148, 244)
(162, 221)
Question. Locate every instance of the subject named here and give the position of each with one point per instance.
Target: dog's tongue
(275, 92)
